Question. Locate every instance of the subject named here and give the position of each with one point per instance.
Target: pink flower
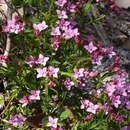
(41, 72)
(89, 106)
(55, 31)
(90, 47)
(121, 89)
(61, 3)
(35, 95)
(52, 122)
(68, 83)
(117, 118)
(2, 58)
(92, 108)
(52, 72)
(109, 52)
(72, 8)
(106, 108)
(84, 104)
(55, 45)
(77, 40)
(55, 41)
(30, 61)
(62, 14)
(123, 75)
(14, 26)
(125, 128)
(59, 128)
(70, 33)
(51, 84)
(96, 58)
(92, 74)
(64, 24)
(17, 120)
(24, 101)
(40, 26)
(115, 100)
(78, 73)
(88, 117)
(42, 60)
(128, 105)
(110, 88)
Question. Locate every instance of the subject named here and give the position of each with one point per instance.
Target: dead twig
(3, 14)
(8, 41)
(12, 8)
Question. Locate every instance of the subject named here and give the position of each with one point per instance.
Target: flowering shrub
(59, 80)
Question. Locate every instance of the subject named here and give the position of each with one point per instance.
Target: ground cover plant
(57, 75)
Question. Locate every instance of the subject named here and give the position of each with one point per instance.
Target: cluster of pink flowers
(84, 73)
(118, 90)
(17, 120)
(64, 29)
(92, 108)
(115, 86)
(116, 118)
(94, 51)
(14, 26)
(42, 60)
(89, 106)
(39, 27)
(67, 5)
(101, 77)
(25, 100)
(47, 71)
(98, 53)
(83, 76)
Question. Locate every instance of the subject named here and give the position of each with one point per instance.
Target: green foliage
(64, 115)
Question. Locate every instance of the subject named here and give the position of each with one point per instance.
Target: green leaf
(27, 30)
(64, 115)
(1, 100)
(87, 6)
(45, 120)
(34, 20)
